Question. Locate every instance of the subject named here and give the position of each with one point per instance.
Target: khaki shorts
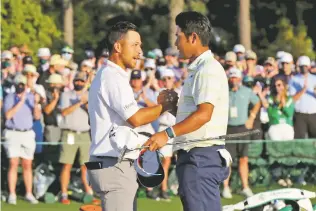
(20, 144)
(69, 149)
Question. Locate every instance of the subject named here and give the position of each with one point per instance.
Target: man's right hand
(169, 100)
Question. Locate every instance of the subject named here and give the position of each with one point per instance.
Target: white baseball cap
(87, 63)
(304, 61)
(121, 136)
(19, 78)
(55, 79)
(6, 55)
(43, 52)
(30, 68)
(279, 54)
(230, 56)
(150, 63)
(167, 73)
(286, 58)
(239, 48)
(158, 52)
(234, 72)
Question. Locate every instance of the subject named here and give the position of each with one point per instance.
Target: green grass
(143, 203)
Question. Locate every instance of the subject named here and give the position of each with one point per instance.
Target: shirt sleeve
(206, 87)
(119, 96)
(64, 101)
(254, 99)
(8, 102)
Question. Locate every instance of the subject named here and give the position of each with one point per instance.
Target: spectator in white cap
(230, 60)
(7, 71)
(239, 50)
(87, 67)
(303, 89)
(43, 55)
(251, 62)
(270, 67)
(286, 66)
(40, 98)
(158, 53)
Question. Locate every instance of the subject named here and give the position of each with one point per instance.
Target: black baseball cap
(27, 60)
(149, 170)
(136, 74)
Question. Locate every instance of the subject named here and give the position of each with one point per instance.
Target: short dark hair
(116, 32)
(191, 21)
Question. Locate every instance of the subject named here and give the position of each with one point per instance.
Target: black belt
(20, 130)
(93, 165)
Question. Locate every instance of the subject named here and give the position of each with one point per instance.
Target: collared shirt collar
(196, 63)
(120, 69)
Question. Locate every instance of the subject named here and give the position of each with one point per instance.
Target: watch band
(170, 132)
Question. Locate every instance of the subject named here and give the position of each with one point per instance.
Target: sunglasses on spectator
(278, 84)
(146, 69)
(166, 79)
(29, 74)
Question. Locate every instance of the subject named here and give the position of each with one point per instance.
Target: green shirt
(281, 115)
(238, 105)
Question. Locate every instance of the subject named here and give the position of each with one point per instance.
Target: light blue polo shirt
(307, 103)
(239, 105)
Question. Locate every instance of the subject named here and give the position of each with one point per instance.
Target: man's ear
(117, 47)
(193, 38)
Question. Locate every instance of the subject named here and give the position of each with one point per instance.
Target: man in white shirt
(111, 102)
(202, 113)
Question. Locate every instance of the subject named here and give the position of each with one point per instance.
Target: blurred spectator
(303, 89)
(27, 60)
(75, 134)
(87, 67)
(40, 97)
(90, 57)
(20, 108)
(52, 115)
(239, 99)
(7, 72)
(230, 61)
(104, 56)
(158, 53)
(17, 64)
(285, 67)
(240, 53)
(145, 97)
(270, 67)
(280, 108)
(44, 56)
(56, 65)
(70, 69)
(251, 62)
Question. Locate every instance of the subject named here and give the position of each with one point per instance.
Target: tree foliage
(24, 23)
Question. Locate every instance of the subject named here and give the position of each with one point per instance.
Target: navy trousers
(200, 173)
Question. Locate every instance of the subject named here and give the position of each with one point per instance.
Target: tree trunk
(175, 7)
(68, 23)
(244, 23)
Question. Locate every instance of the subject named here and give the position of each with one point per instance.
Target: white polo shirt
(111, 101)
(206, 83)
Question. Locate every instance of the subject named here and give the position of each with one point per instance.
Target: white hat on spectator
(20, 78)
(30, 68)
(6, 55)
(234, 72)
(150, 63)
(167, 73)
(43, 52)
(279, 54)
(158, 52)
(251, 55)
(55, 79)
(87, 63)
(230, 56)
(286, 58)
(239, 48)
(56, 59)
(304, 61)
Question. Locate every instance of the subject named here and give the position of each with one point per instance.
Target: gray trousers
(116, 184)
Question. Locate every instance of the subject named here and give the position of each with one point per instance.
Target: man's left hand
(157, 141)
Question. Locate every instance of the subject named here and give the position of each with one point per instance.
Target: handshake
(169, 100)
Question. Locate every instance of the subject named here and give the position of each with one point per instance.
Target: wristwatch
(170, 132)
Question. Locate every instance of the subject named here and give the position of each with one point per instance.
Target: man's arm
(51, 106)
(11, 111)
(145, 115)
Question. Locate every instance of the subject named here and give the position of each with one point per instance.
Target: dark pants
(237, 150)
(200, 173)
(304, 124)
